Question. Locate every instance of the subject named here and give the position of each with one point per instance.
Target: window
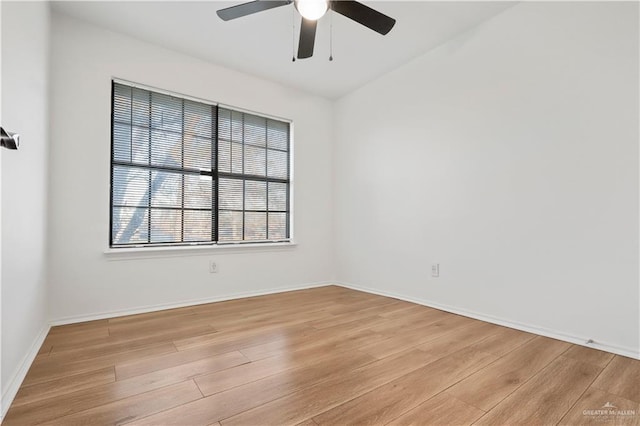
(186, 172)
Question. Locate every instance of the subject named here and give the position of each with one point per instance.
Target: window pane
(255, 160)
(224, 156)
(197, 152)
(277, 226)
(224, 124)
(255, 226)
(140, 106)
(166, 190)
(236, 158)
(166, 113)
(121, 142)
(255, 132)
(197, 191)
(166, 226)
(130, 225)
(230, 226)
(255, 197)
(122, 103)
(236, 126)
(130, 186)
(277, 164)
(140, 145)
(198, 119)
(166, 149)
(231, 191)
(230, 157)
(277, 196)
(197, 226)
(278, 135)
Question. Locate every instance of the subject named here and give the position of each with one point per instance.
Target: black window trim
(215, 175)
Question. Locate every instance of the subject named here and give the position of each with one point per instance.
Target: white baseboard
(554, 334)
(182, 304)
(14, 384)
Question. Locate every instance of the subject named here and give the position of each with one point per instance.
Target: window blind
(187, 172)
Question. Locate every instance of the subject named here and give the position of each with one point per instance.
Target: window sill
(129, 253)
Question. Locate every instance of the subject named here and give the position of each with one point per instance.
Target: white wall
(85, 281)
(25, 54)
(509, 156)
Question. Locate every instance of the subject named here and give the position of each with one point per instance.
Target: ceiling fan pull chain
(331, 36)
(293, 35)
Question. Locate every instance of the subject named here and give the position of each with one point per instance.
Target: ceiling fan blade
(249, 8)
(307, 38)
(364, 15)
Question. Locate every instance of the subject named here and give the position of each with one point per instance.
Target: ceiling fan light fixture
(312, 9)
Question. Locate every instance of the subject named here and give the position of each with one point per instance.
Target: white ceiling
(262, 44)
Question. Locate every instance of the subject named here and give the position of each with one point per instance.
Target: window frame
(215, 175)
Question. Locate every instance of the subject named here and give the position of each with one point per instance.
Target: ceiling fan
(311, 11)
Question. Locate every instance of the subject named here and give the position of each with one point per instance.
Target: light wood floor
(326, 356)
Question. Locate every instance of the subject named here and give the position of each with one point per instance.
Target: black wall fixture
(9, 140)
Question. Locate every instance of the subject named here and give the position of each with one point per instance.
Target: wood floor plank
(45, 349)
(590, 355)
(349, 316)
(278, 345)
(357, 325)
(241, 398)
(199, 367)
(456, 340)
(547, 397)
(76, 338)
(71, 328)
(358, 305)
(290, 362)
(387, 402)
(289, 314)
(486, 388)
(403, 310)
(442, 409)
(621, 377)
(150, 316)
(246, 373)
(326, 339)
(300, 406)
(597, 407)
(56, 367)
(411, 321)
(414, 336)
(184, 321)
(223, 345)
(114, 343)
(138, 406)
(65, 405)
(64, 385)
(254, 326)
(504, 340)
(226, 341)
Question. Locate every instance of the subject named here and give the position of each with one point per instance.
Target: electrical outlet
(213, 267)
(435, 270)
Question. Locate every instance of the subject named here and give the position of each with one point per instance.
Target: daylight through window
(188, 172)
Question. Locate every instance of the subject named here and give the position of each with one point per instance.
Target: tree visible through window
(188, 172)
